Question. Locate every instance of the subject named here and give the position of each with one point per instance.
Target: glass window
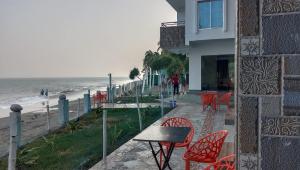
(204, 14)
(217, 13)
(210, 13)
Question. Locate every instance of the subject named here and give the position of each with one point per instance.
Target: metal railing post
(161, 98)
(104, 143)
(48, 116)
(138, 107)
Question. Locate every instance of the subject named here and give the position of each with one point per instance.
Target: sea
(26, 91)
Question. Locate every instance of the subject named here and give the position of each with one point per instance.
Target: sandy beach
(34, 125)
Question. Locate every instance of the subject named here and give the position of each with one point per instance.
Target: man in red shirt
(175, 82)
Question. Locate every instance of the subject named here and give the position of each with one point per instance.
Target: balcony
(172, 35)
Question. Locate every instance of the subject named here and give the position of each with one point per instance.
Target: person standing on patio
(175, 82)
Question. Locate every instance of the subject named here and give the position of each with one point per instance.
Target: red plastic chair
(179, 122)
(209, 99)
(225, 163)
(103, 96)
(206, 149)
(224, 99)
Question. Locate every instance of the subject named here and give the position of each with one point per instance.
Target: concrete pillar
(63, 109)
(89, 101)
(15, 134)
(86, 103)
(78, 109)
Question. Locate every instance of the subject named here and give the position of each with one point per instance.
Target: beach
(34, 114)
(34, 125)
(26, 91)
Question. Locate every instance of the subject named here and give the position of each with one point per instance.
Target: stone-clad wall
(172, 37)
(268, 60)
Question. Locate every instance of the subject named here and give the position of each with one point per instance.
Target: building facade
(205, 32)
(267, 48)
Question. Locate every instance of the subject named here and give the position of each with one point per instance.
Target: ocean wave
(23, 101)
(67, 91)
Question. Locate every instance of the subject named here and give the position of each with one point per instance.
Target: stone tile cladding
(248, 162)
(172, 37)
(272, 106)
(291, 96)
(280, 153)
(260, 75)
(281, 34)
(280, 6)
(284, 126)
(248, 124)
(292, 65)
(267, 43)
(250, 46)
(249, 17)
(292, 84)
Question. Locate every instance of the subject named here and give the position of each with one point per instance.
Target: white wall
(192, 33)
(212, 47)
(195, 73)
(205, 48)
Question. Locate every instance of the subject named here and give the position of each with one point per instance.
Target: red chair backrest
(226, 97)
(208, 148)
(208, 98)
(180, 122)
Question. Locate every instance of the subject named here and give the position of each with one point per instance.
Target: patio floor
(135, 155)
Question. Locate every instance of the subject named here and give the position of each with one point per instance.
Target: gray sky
(78, 38)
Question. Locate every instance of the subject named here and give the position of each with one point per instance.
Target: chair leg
(187, 165)
(160, 158)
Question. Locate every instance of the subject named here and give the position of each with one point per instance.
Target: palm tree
(134, 73)
(147, 62)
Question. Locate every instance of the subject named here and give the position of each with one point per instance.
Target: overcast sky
(78, 38)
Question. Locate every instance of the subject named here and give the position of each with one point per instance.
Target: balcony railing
(172, 24)
(172, 35)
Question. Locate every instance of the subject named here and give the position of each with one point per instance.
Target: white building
(205, 31)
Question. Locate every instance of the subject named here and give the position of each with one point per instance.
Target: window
(210, 14)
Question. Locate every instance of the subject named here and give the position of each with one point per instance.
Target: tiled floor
(137, 156)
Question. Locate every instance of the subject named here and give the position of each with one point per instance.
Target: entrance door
(222, 75)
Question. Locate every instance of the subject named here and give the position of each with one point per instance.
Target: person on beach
(175, 82)
(46, 92)
(42, 92)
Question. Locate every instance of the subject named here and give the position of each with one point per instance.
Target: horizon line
(61, 77)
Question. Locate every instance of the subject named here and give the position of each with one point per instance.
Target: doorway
(217, 72)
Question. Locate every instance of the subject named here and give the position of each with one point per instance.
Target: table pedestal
(167, 156)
